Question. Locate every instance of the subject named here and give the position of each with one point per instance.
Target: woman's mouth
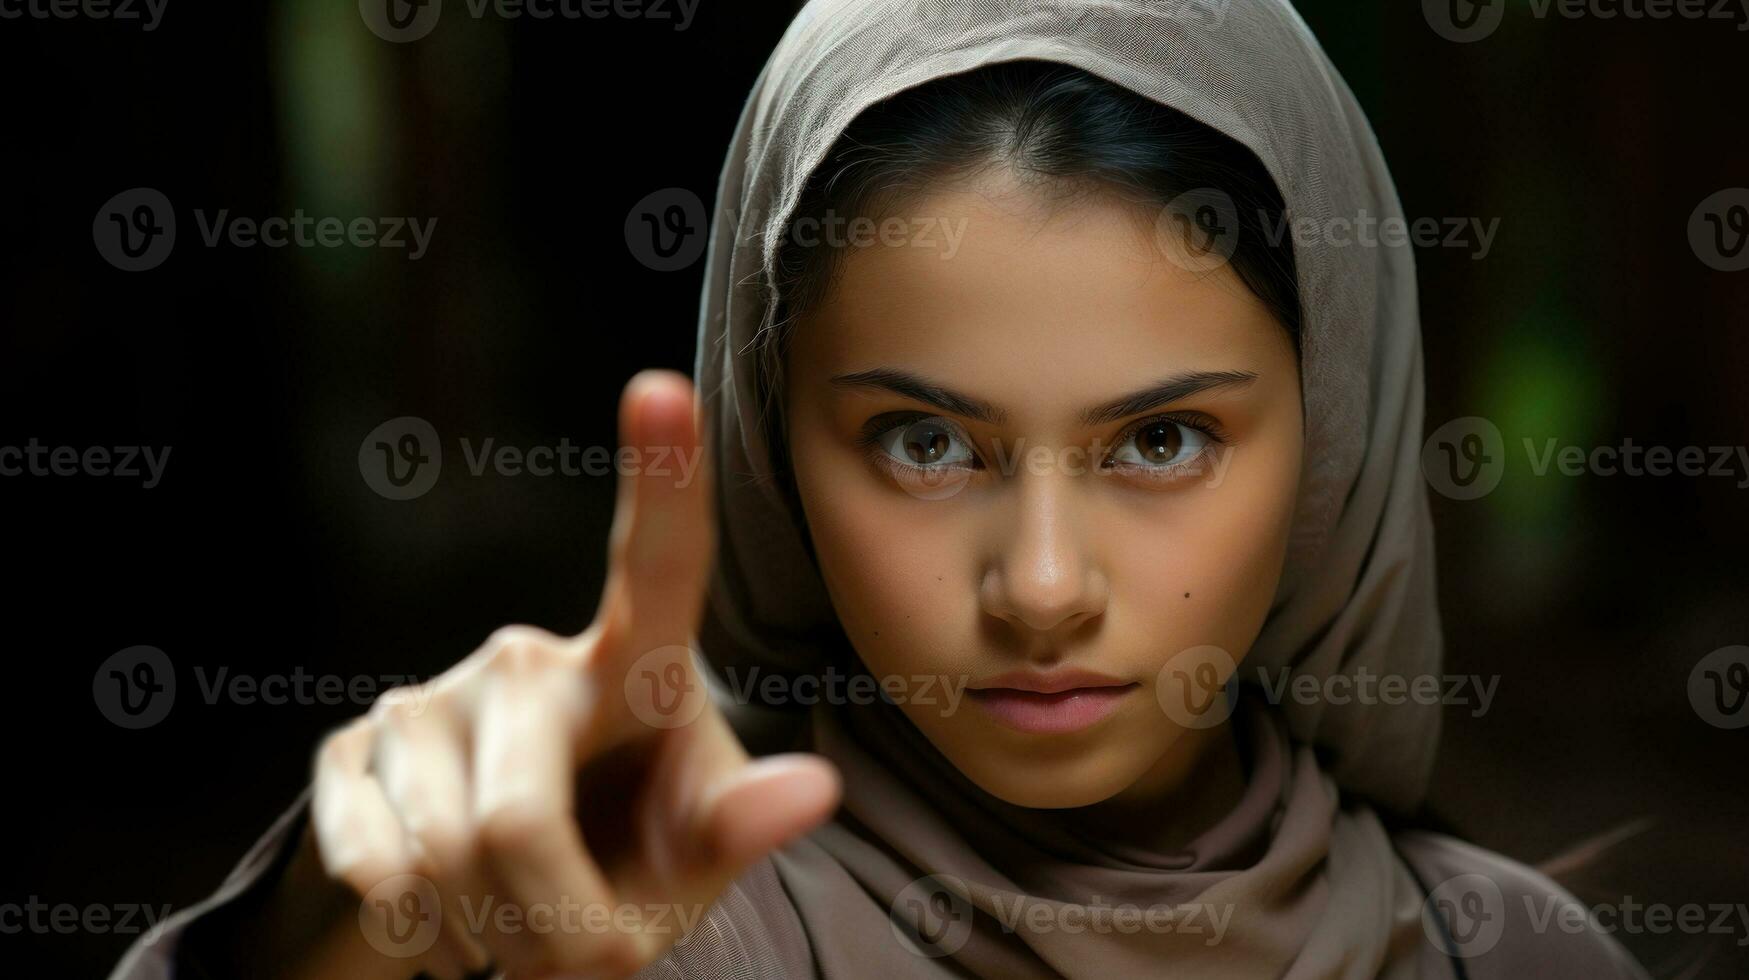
(1051, 704)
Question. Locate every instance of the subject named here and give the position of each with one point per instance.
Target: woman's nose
(1043, 575)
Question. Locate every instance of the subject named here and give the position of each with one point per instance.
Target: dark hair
(1061, 130)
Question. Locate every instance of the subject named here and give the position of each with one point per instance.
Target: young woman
(1039, 431)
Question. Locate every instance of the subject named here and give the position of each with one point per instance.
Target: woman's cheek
(888, 561)
(1228, 549)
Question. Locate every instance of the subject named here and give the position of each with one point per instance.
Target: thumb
(763, 805)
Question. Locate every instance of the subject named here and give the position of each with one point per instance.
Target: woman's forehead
(1036, 295)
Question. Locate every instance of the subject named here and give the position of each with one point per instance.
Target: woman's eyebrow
(1161, 392)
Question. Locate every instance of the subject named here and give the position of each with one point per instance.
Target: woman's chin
(1041, 782)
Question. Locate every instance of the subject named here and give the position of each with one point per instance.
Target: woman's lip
(1055, 713)
(1055, 682)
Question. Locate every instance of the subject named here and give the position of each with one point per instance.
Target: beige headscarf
(1310, 880)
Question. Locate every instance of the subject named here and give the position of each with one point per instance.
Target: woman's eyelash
(1208, 425)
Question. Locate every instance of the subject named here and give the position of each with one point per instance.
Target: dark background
(263, 550)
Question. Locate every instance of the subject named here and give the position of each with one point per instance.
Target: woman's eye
(926, 443)
(1160, 444)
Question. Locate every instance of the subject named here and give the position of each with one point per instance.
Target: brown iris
(1160, 442)
(928, 448)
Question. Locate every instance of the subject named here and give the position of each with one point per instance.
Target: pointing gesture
(559, 805)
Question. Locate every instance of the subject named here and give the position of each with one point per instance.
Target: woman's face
(1002, 501)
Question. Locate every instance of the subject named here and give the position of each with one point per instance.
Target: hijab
(1302, 867)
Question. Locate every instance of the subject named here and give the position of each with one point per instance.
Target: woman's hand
(561, 805)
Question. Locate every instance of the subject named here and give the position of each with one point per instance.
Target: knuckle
(338, 744)
(510, 830)
(400, 706)
(519, 651)
(518, 634)
(450, 844)
(449, 698)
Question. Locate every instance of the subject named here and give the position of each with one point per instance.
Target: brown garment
(831, 906)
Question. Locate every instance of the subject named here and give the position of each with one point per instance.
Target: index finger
(663, 536)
